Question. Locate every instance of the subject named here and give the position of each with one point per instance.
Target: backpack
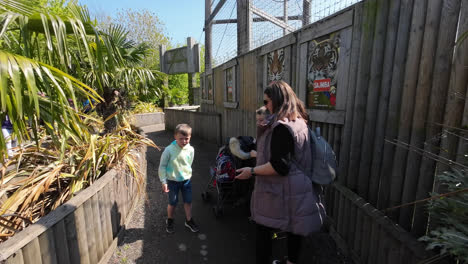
(323, 159)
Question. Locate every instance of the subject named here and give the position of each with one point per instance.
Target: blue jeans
(185, 188)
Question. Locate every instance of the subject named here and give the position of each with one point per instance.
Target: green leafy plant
(143, 107)
(449, 216)
(40, 180)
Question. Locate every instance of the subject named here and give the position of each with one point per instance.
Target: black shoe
(191, 225)
(170, 225)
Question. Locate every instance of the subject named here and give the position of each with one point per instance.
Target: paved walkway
(229, 239)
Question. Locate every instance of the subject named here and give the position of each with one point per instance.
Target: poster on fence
(275, 65)
(322, 65)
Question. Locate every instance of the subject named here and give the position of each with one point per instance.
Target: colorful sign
(322, 85)
(322, 65)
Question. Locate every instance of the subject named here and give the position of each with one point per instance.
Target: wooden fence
(206, 126)
(85, 229)
(402, 86)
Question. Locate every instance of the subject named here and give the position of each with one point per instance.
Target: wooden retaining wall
(402, 87)
(206, 126)
(83, 230)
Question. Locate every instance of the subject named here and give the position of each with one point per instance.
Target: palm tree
(68, 59)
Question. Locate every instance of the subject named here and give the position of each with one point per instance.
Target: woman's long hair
(285, 102)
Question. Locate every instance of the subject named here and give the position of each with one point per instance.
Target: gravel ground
(229, 239)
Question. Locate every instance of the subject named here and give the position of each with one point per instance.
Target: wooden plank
(287, 71)
(341, 244)
(114, 210)
(356, 242)
(376, 67)
(365, 237)
(327, 116)
(384, 96)
(260, 69)
(32, 252)
(18, 241)
(442, 67)
(76, 237)
(331, 134)
(337, 141)
(60, 238)
(244, 26)
(393, 112)
(394, 251)
(374, 246)
(341, 215)
(349, 114)
(324, 131)
(208, 36)
(362, 85)
(100, 237)
(47, 247)
(326, 26)
(407, 103)
(382, 251)
(346, 37)
(351, 234)
(346, 219)
(385, 223)
(16, 258)
(302, 73)
(419, 114)
(278, 44)
(91, 229)
(336, 208)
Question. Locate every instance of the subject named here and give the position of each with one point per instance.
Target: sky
(182, 18)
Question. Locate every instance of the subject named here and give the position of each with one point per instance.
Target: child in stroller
(237, 153)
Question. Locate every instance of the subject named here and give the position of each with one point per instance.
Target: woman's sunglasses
(265, 102)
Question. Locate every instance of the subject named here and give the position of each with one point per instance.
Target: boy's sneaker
(170, 225)
(191, 225)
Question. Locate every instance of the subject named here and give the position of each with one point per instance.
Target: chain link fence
(224, 35)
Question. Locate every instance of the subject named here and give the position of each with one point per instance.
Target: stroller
(231, 156)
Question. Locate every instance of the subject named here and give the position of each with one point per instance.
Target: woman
(283, 197)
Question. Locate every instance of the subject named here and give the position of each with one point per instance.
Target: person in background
(175, 173)
(283, 197)
(7, 130)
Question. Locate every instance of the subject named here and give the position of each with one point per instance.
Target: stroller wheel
(218, 211)
(205, 196)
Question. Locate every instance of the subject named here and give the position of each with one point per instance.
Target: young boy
(175, 171)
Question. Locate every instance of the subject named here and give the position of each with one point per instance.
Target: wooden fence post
(419, 113)
(442, 65)
(384, 96)
(362, 85)
(393, 113)
(376, 66)
(407, 102)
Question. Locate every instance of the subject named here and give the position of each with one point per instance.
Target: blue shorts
(185, 188)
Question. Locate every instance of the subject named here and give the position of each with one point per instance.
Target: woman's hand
(253, 154)
(244, 173)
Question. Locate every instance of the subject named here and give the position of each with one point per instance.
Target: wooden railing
(83, 230)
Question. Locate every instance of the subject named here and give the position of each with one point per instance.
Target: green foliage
(449, 215)
(143, 107)
(178, 89)
(58, 7)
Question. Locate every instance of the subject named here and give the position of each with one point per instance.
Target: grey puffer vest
(288, 203)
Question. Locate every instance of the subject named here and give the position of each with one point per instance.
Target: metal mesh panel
(224, 36)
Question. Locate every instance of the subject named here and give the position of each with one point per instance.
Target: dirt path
(227, 240)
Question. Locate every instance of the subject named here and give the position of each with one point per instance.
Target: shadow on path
(226, 240)
(230, 239)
